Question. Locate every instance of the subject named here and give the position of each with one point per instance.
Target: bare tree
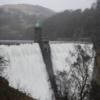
(76, 83)
(3, 62)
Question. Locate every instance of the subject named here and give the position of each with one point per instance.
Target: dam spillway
(26, 70)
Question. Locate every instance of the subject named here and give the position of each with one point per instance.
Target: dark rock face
(9, 93)
(95, 91)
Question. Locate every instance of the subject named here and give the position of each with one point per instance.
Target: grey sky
(57, 5)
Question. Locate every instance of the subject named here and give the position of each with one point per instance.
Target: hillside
(17, 21)
(73, 24)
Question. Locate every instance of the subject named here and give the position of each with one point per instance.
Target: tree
(3, 62)
(76, 83)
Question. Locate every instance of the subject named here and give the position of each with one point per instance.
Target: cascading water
(26, 70)
(61, 57)
(59, 54)
(69, 78)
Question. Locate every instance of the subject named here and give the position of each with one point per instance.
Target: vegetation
(76, 83)
(74, 24)
(7, 92)
(17, 21)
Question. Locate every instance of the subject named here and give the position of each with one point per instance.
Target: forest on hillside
(74, 24)
(17, 22)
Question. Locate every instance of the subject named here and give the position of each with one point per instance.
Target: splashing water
(26, 70)
(62, 62)
(60, 52)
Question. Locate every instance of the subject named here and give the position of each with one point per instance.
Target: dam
(33, 64)
(26, 69)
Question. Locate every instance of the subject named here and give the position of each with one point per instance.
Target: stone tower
(38, 32)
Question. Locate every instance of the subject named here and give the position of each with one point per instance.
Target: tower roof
(38, 24)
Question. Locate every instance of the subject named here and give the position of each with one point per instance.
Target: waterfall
(67, 76)
(59, 54)
(26, 70)
(61, 57)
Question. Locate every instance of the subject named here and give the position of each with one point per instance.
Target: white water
(62, 61)
(61, 55)
(26, 70)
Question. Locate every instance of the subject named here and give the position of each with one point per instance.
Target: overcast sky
(57, 5)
